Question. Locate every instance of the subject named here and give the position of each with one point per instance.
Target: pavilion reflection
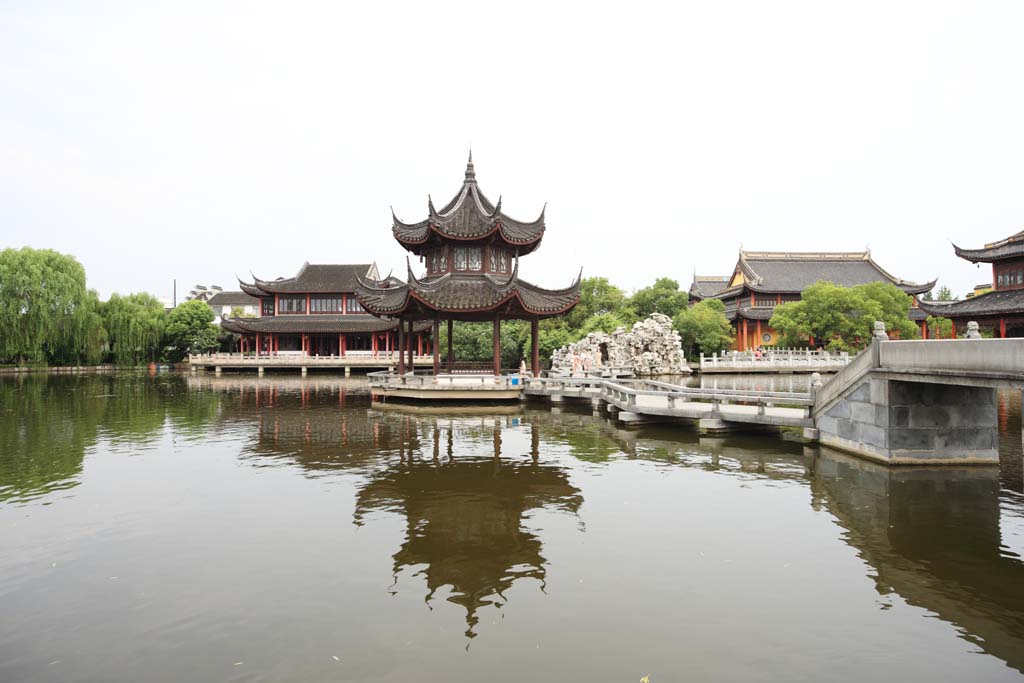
(465, 503)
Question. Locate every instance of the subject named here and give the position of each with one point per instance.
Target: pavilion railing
(427, 379)
(295, 357)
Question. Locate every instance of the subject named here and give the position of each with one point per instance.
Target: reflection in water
(932, 536)
(49, 423)
(464, 516)
(468, 486)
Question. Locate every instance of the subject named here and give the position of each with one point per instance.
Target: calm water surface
(232, 529)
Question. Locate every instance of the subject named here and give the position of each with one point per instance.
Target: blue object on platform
(515, 381)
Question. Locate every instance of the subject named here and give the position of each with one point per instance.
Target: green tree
(939, 328)
(189, 330)
(134, 324)
(842, 318)
(945, 294)
(599, 297)
(46, 312)
(703, 328)
(663, 296)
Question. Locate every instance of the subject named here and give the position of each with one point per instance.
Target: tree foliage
(842, 318)
(134, 324)
(939, 328)
(46, 313)
(599, 297)
(704, 328)
(664, 296)
(189, 329)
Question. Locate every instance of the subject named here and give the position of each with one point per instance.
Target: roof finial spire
(470, 171)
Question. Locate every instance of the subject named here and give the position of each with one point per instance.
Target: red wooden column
(758, 341)
(341, 345)
(535, 347)
(258, 349)
(450, 357)
(496, 335)
(436, 349)
(952, 329)
(924, 329)
(373, 344)
(1002, 328)
(419, 343)
(408, 339)
(401, 356)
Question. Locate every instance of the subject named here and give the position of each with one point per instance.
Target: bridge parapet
(914, 402)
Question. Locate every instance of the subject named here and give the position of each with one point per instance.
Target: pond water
(178, 528)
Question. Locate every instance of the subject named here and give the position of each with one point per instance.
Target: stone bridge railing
(782, 359)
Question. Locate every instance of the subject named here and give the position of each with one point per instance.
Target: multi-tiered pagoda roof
(471, 249)
(469, 217)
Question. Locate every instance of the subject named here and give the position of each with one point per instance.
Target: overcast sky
(198, 142)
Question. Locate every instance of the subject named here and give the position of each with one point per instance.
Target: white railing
(625, 394)
(782, 359)
(411, 380)
(299, 358)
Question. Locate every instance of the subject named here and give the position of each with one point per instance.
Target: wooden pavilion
(471, 250)
(1000, 308)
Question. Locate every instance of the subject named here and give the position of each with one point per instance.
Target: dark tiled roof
(314, 277)
(1004, 302)
(467, 293)
(468, 216)
(757, 312)
(232, 299)
(313, 324)
(704, 286)
(794, 272)
(1010, 247)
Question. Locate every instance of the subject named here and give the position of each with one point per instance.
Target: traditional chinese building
(1001, 308)
(763, 280)
(224, 303)
(471, 250)
(317, 313)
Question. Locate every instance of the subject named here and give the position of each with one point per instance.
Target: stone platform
(445, 387)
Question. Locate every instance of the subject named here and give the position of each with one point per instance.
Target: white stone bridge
(898, 402)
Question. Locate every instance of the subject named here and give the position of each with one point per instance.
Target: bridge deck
(652, 399)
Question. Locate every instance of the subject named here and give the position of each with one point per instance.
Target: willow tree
(46, 312)
(135, 325)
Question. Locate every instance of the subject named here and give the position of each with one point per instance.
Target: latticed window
(460, 259)
(499, 260)
(352, 305)
(765, 301)
(325, 304)
(268, 307)
(438, 261)
(474, 258)
(291, 304)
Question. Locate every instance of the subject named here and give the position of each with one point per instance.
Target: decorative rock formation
(652, 347)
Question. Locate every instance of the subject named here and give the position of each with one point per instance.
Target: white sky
(197, 142)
